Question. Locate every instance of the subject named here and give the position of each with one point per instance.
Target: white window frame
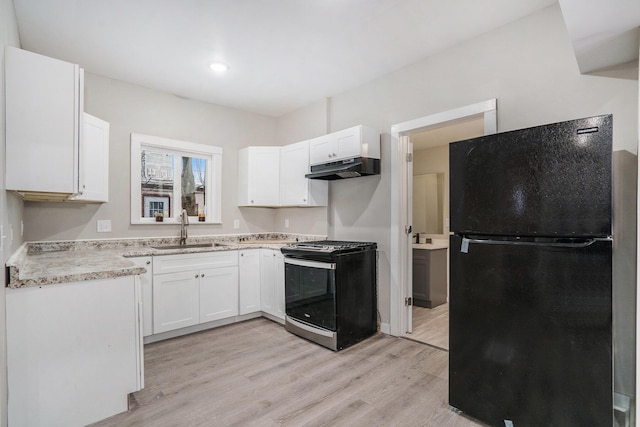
(213, 180)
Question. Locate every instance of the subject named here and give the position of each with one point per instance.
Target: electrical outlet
(236, 224)
(286, 223)
(104, 225)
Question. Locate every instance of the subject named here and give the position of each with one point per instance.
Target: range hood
(346, 168)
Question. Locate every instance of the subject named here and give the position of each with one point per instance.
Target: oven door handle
(312, 264)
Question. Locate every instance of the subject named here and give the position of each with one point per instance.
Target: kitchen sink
(189, 246)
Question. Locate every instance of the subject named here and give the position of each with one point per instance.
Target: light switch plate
(236, 224)
(104, 225)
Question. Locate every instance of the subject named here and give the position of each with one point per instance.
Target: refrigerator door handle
(575, 243)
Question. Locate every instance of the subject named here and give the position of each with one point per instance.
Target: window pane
(194, 174)
(156, 183)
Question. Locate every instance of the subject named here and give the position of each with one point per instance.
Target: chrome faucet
(184, 221)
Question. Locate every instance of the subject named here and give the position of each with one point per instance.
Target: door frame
(401, 203)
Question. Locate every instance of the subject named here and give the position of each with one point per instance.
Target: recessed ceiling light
(218, 67)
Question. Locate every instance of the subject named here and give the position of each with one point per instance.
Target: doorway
(429, 202)
(402, 201)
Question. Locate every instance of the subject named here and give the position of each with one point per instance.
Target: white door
(218, 293)
(264, 184)
(94, 160)
(146, 283)
(322, 149)
(278, 266)
(406, 141)
(267, 281)
(249, 280)
(175, 301)
(294, 165)
(348, 142)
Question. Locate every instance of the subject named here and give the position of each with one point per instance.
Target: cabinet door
(348, 142)
(175, 300)
(94, 160)
(322, 149)
(146, 282)
(294, 164)
(249, 280)
(218, 293)
(278, 266)
(420, 277)
(43, 110)
(259, 176)
(267, 281)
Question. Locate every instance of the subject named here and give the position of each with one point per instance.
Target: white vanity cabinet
(259, 176)
(146, 285)
(74, 351)
(357, 141)
(189, 289)
(272, 295)
(46, 155)
(295, 189)
(249, 280)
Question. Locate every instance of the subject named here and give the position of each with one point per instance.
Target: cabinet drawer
(163, 264)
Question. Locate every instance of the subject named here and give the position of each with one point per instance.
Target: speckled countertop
(46, 263)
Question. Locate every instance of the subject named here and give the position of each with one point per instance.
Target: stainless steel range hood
(347, 168)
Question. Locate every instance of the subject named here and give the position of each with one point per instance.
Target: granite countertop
(46, 263)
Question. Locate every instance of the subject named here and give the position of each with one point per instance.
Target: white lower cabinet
(176, 300)
(146, 283)
(218, 293)
(74, 351)
(189, 289)
(272, 282)
(249, 280)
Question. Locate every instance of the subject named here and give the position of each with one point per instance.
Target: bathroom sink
(189, 246)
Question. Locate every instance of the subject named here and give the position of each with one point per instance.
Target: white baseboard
(385, 328)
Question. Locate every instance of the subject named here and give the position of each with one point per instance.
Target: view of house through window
(156, 183)
(174, 175)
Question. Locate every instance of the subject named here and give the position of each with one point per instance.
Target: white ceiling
(282, 54)
(605, 35)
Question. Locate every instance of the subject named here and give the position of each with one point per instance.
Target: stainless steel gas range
(330, 291)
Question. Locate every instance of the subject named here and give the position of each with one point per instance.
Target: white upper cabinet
(358, 141)
(94, 160)
(44, 129)
(259, 176)
(295, 189)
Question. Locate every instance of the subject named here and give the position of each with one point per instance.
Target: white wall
(529, 66)
(10, 206)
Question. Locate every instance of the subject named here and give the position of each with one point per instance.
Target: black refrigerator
(531, 276)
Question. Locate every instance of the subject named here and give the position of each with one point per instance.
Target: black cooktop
(327, 246)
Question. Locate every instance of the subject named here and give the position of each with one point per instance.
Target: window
(168, 176)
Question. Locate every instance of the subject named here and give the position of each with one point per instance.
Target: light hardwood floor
(431, 325)
(255, 373)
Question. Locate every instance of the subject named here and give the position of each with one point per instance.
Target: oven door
(310, 292)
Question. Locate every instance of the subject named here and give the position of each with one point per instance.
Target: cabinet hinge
(408, 301)
(409, 157)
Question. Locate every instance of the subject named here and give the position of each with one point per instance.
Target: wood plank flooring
(255, 373)
(431, 325)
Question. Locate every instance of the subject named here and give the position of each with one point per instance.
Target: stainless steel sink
(189, 246)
